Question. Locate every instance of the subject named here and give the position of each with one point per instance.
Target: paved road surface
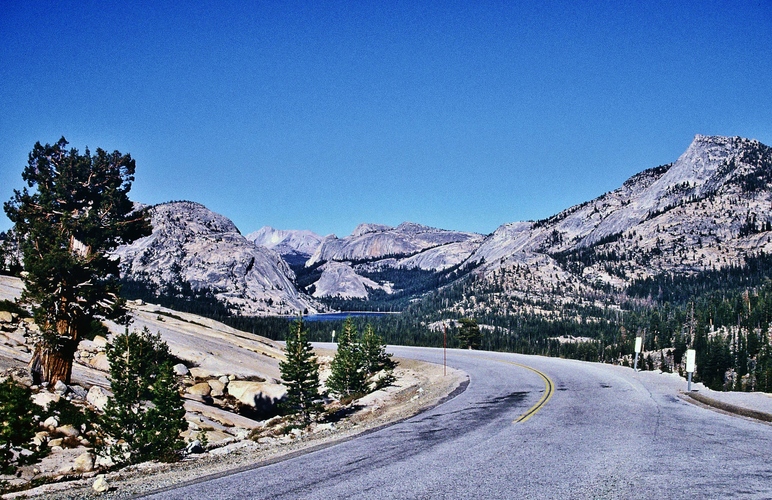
(604, 432)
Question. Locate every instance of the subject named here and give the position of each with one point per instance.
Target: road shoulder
(421, 386)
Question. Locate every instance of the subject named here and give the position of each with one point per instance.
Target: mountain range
(708, 209)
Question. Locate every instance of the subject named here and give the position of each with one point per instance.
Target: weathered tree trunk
(53, 363)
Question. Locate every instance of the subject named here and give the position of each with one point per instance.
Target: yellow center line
(549, 389)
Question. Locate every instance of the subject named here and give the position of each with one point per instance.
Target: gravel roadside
(419, 386)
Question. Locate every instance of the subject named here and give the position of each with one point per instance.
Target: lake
(340, 316)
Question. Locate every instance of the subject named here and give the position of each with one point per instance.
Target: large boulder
(262, 396)
(68, 430)
(180, 369)
(218, 388)
(78, 391)
(200, 389)
(45, 398)
(84, 463)
(51, 423)
(60, 388)
(97, 397)
(100, 484)
(100, 362)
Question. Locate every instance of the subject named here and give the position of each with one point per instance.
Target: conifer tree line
(358, 359)
(360, 365)
(724, 315)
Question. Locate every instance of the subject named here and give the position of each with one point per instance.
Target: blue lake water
(340, 316)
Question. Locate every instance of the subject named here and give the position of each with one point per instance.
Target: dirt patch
(419, 386)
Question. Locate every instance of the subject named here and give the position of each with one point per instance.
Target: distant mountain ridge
(296, 246)
(376, 241)
(376, 247)
(708, 209)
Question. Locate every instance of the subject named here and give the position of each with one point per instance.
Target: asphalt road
(529, 427)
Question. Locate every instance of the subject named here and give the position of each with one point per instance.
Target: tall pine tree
(469, 334)
(77, 213)
(300, 373)
(375, 358)
(349, 375)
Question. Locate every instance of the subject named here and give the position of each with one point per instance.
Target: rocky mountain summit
(295, 246)
(348, 264)
(708, 209)
(371, 242)
(191, 246)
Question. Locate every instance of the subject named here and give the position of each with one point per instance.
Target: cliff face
(192, 244)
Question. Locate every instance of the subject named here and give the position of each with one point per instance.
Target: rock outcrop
(709, 209)
(191, 246)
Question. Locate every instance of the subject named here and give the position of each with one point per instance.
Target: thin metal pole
(444, 349)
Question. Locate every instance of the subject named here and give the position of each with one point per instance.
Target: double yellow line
(549, 389)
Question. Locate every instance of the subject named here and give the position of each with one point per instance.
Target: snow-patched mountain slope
(708, 209)
(191, 243)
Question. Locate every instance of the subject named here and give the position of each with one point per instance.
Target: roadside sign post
(690, 366)
(444, 350)
(333, 336)
(638, 346)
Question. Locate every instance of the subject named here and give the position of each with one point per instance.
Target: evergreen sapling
(349, 374)
(300, 373)
(145, 416)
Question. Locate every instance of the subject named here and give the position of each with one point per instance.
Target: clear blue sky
(321, 115)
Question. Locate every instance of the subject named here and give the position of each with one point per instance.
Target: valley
(593, 271)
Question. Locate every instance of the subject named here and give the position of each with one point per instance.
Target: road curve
(529, 427)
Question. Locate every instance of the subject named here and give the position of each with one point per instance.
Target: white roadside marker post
(333, 336)
(638, 346)
(690, 365)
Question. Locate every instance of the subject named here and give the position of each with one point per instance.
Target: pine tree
(349, 376)
(469, 334)
(300, 373)
(77, 213)
(19, 418)
(375, 357)
(145, 416)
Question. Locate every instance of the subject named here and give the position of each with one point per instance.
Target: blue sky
(322, 115)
